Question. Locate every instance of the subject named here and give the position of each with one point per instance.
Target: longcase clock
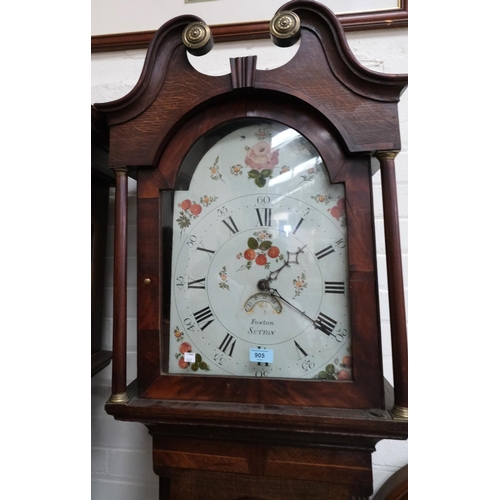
(259, 347)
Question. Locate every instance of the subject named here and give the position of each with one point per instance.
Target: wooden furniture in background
(101, 181)
(396, 487)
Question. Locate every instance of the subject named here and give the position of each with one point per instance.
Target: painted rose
(260, 157)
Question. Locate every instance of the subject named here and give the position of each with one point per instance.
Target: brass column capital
(119, 171)
(386, 155)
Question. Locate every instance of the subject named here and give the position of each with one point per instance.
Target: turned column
(119, 374)
(395, 284)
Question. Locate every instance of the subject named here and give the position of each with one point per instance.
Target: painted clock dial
(259, 272)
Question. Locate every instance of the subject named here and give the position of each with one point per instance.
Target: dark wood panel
(270, 423)
(260, 459)
(219, 486)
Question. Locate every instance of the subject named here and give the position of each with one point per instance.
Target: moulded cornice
(324, 74)
(165, 40)
(354, 75)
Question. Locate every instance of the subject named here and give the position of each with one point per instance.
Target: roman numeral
(227, 345)
(229, 222)
(300, 350)
(297, 226)
(264, 215)
(323, 253)
(325, 324)
(334, 287)
(199, 284)
(204, 315)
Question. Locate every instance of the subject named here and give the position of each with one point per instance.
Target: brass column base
(119, 398)
(399, 413)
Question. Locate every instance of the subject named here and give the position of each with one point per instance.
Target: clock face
(259, 272)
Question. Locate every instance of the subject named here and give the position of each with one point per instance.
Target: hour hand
(292, 258)
(274, 274)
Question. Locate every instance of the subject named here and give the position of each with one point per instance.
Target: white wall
(121, 451)
(122, 16)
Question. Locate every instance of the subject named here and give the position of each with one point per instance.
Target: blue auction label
(262, 355)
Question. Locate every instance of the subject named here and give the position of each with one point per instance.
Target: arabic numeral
(191, 241)
(340, 336)
(188, 322)
(219, 359)
(263, 200)
(340, 243)
(221, 211)
(180, 282)
(308, 365)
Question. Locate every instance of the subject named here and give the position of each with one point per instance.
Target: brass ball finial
(285, 28)
(198, 39)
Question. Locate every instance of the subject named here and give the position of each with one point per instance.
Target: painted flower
(346, 361)
(183, 364)
(344, 375)
(237, 169)
(322, 198)
(215, 172)
(185, 347)
(178, 334)
(260, 157)
(338, 210)
(263, 235)
(223, 278)
(300, 284)
(262, 134)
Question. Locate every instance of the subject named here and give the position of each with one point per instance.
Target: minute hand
(275, 293)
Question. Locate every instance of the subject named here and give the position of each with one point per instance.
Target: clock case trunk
(349, 114)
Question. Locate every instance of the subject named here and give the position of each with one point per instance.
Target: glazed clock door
(260, 284)
(264, 268)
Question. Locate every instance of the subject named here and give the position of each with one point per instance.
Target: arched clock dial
(259, 264)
